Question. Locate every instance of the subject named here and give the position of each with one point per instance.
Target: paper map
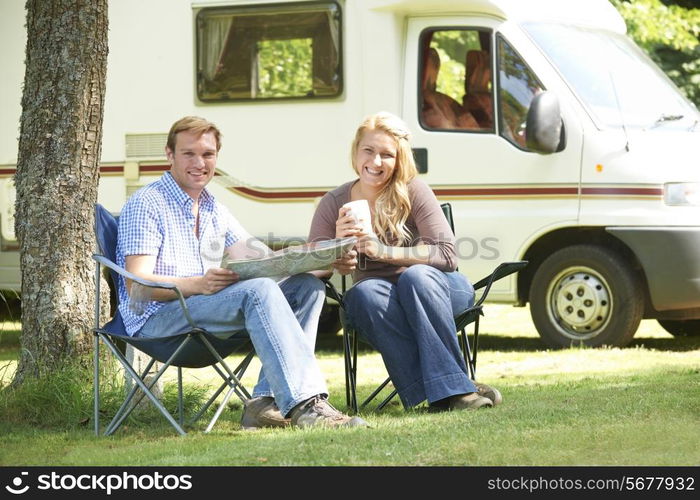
(292, 260)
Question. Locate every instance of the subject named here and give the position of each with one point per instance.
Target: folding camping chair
(462, 320)
(195, 348)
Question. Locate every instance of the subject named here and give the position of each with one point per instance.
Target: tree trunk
(57, 176)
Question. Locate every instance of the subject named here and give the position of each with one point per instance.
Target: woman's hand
(346, 225)
(347, 263)
(370, 246)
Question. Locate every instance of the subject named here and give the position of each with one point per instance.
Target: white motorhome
(554, 138)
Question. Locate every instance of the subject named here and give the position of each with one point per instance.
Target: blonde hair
(192, 124)
(393, 205)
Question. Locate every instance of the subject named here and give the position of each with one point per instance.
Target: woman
(406, 290)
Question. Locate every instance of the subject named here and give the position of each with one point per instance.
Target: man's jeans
(281, 320)
(411, 323)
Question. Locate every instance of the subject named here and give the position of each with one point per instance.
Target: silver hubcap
(580, 303)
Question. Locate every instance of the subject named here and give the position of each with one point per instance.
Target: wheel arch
(557, 239)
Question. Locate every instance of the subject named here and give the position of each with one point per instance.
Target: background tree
(57, 176)
(668, 31)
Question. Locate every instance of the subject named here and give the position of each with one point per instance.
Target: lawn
(634, 406)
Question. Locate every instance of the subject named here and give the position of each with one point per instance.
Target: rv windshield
(616, 81)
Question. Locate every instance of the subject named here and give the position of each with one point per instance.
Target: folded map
(292, 260)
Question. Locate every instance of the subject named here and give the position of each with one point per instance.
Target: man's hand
(215, 280)
(347, 263)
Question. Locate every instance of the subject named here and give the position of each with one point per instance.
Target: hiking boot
(317, 411)
(489, 392)
(262, 412)
(471, 401)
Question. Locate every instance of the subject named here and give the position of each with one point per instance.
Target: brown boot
(489, 392)
(471, 401)
(317, 411)
(262, 412)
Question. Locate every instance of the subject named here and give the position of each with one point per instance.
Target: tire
(586, 294)
(681, 327)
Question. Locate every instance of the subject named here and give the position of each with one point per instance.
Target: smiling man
(173, 230)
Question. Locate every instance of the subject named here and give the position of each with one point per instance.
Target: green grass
(634, 406)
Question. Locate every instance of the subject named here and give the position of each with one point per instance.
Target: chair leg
(350, 356)
(219, 410)
(96, 383)
(239, 371)
(180, 403)
(476, 347)
(232, 378)
(243, 367)
(376, 392)
(388, 398)
(233, 388)
(354, 370)
(135, 377)
(467, 353)
(127, 406)
(96, 353)
(346, 361)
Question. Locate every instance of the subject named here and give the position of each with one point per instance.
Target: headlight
(682, 193)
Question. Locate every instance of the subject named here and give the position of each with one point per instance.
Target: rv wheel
(681, 327)
(585, 294)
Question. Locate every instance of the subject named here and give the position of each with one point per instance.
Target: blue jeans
(281, 321)
(411, 323)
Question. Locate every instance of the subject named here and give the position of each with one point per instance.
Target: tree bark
(57, 177)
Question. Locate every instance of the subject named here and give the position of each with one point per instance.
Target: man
(174, 230)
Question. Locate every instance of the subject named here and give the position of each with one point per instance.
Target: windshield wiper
(666, 118)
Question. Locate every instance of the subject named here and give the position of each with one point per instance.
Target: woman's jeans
(281, 320)
(411, 323)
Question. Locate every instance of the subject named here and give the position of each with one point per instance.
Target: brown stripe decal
(277, 195)
(506, 191)
(622, 191)
(111, 169)
(265, 194)
(153, 168)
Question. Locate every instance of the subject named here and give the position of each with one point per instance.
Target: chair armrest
(504, 269)
(151, 284)
(147, 283)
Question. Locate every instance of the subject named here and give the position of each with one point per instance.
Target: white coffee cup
(359, 209)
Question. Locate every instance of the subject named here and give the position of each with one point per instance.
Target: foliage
(285, 67)
(669, 34)
(452, 46)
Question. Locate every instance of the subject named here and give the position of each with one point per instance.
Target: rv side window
(517, 86)
(456, 91)
(269, 52)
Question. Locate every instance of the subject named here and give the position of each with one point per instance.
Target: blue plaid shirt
(158, 220)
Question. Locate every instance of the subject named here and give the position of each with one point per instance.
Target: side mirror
(544, 132)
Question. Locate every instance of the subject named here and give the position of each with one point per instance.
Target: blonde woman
(406, 290)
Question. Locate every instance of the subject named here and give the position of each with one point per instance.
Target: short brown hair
(193, 124)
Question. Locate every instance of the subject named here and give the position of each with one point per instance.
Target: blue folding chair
(194, 348)
(462, 320)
